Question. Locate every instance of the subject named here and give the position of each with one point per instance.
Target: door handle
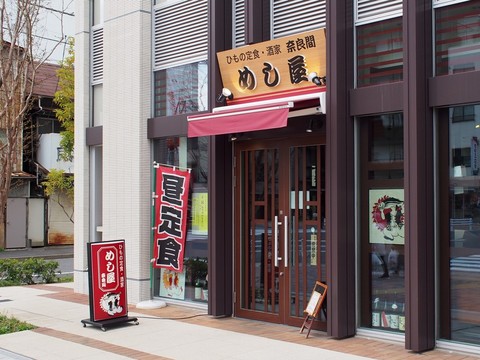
(285, 235)
(275, 239)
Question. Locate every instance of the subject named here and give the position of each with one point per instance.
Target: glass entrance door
(280, 240)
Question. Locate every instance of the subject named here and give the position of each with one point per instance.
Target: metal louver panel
(295, 16)
(97, 55)
(239, 23)
(368, 11)
(440, 3)
(181, 33)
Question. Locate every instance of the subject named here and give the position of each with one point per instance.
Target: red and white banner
(171, 190)
(108, 289)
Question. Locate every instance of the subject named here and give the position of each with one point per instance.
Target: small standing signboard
(107, 284)
(314, 305)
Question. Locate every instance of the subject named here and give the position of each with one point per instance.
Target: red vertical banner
(171, 204)
(108, 290)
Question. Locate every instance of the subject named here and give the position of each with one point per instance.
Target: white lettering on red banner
(108, 297)
(170, 217)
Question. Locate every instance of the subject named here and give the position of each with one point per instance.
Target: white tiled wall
(126, 149)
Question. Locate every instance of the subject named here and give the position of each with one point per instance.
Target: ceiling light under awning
(240, 120)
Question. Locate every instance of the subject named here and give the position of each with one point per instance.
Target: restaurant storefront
(346, 155)
(274, 121)
(298, 194)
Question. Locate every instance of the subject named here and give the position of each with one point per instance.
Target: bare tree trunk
(20, 58)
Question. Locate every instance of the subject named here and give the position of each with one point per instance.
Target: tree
(58, 183)
(59, 187)
(20, 57)
(64, 98)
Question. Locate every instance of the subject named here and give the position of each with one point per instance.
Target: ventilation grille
(295, 16)
(97, 55)
(368, 11)
(181, 33)
(239, 23)
(440, 3)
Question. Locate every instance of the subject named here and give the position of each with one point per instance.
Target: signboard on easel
(107, 284)
(314, 305)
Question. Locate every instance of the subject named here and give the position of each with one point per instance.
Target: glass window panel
(44, 126)
(379, 52)
(259, 212)
(259, 172)
(457, 38)
(464, 211)
(181, 89)
(192, 283)
(48, 126)
(383, 254)
(386, 134)
(386, 241)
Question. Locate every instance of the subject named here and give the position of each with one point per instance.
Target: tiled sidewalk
(360, 346)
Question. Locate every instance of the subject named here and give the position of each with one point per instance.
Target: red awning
(239, 120)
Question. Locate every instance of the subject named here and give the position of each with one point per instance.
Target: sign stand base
(104, 324)
(307, 324)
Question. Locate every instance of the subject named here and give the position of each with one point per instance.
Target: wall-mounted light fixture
(309, 126)
(233, 137)
(225, 94)
(317, 80)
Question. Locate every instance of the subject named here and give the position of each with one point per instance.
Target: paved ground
(173, 332)
(46, 252)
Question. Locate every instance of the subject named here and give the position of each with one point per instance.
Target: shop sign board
(106, 270)
(274, 66)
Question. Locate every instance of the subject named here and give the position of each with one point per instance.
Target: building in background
(33, 219)
(43, 155)
(373, 191)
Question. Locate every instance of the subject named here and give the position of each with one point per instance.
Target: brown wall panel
(94, 136)
(340, 174)
(376, 99)
(220, 228)
(167, 126)
(454, 89)
(419, 179)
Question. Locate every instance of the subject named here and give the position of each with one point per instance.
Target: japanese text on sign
(170, 212)
(274, 65)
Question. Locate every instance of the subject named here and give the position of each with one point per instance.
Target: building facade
(370, 183)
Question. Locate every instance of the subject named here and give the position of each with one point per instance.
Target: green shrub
(10, 325)
(28, 271)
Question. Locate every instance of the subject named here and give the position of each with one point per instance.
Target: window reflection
(380, 52)
(457, 38)
(192, 283)
(464, 223)
(383, 216)
(181, 89)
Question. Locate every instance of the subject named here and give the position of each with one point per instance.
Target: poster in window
(200, 213)
(387, 216)
(172, 284)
